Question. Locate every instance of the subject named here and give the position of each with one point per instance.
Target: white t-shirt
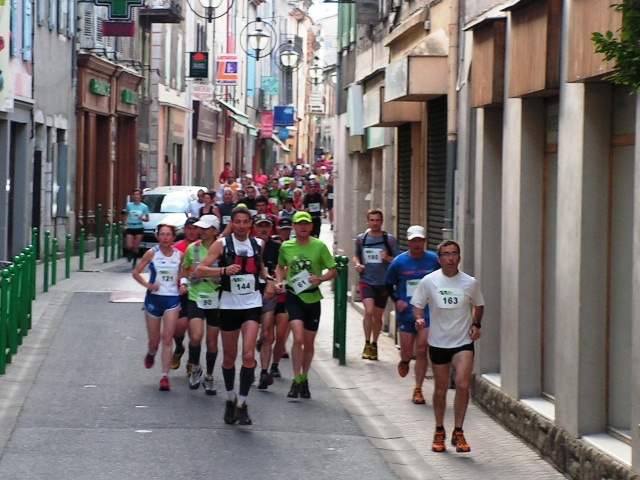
(194, 208)
(450, 300)
(232, 301)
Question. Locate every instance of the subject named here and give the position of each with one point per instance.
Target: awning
(230, 107)
(275, 138)
(416, 78)
(378, 113)
(244, 121)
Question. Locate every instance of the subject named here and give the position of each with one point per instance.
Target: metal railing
(18, 281)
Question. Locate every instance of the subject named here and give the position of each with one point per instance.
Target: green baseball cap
(302, 217)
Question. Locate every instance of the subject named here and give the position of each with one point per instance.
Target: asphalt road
(95, 412)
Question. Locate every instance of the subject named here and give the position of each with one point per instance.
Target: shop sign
(227, 69)
(99, 87)
(283, 116)
(283, 134)
(266, 121)
(202, 93)
(270, 85)
(119, 9)
(198, 64)
(129, 97)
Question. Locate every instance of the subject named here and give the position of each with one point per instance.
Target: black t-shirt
(310, 201)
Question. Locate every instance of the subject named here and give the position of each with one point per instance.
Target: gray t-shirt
(368, 249)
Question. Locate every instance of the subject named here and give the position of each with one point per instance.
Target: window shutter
(40, 14)
(179, 75)
(98, 19)
(27, 29)
(167, 57)
(71, 19)
(14, 28)
(53, 13)
(87, 38)
(62, 16)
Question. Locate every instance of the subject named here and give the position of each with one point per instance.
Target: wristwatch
(477, 325)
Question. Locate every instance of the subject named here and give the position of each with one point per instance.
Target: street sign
(227, 69)
(119, 9)
(202, 93)
(266, 121)
(270, 85)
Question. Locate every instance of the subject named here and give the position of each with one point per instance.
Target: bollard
(45, 287)
(24, 296)
(13, 310)
(54, 260)
(113, 241)
(105, 247)
(340, 310)
(67, 257)
(30, 283)
(5, 290)
(34, 242)
(35, 250)
(81, 251)
(119, 239)
(98, 219)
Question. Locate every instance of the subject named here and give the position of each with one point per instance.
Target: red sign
(266, 128)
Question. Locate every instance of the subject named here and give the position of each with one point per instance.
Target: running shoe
(149, 360)
(373, 352)
(189, 369)
(366, 353)
(418, 399)
(275, 372)
(304, 389)
(403, 368)
(175, 361)
(265, 380)
(129, 257)
(242, 415)
(229, 412)
(164, 384)
(294, 391)
(207, 383)
(196, 376)
(438, 441)
(285, 355)
(135, 260)
(458, 441)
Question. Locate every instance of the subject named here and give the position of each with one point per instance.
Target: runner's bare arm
(204, 270)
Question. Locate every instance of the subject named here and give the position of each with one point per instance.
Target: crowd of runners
(250, 266)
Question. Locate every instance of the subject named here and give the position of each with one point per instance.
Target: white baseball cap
(414, 231)
(208, 221)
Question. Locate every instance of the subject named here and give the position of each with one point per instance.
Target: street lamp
(257, 42)
(334, 78)
(210, 7)
(289, 56)
(316, 72)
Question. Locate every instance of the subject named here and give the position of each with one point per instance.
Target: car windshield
(173, 202)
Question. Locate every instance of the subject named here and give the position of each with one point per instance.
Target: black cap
(284, 222)
(262, 218)
(191, 221)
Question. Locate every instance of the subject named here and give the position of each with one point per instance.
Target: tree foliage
(623, 49)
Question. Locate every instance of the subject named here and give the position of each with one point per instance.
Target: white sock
(231, 396)
(241, 399)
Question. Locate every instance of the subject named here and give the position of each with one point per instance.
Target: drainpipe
(452, 121)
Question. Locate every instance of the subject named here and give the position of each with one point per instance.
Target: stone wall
(573, 457)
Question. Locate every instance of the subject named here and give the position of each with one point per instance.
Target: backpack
(193, 280)
(229, 258)
(385, 240)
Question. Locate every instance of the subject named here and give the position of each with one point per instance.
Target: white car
(167, 205)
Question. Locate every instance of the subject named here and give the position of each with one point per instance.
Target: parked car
(167, 205)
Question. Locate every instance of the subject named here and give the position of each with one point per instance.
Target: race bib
(226, 219)
(208, 300)
(411, 286)
(253, 212)
(298, 183)
(314, 207)
(371, 255)
(166, 277)
(300, 281)
(330, 196)
(449, 298)
(273, 200)
(135, 214)
(242, 284)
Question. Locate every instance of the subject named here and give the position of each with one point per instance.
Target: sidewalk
(380, 401)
